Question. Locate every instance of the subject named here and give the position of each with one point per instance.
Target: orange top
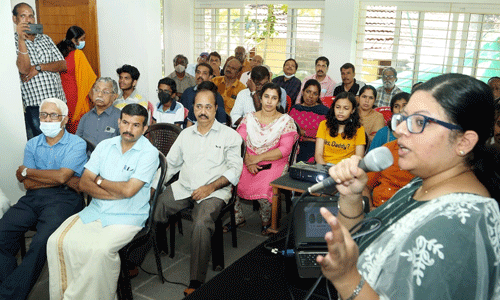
(228, 94)
(386, 183)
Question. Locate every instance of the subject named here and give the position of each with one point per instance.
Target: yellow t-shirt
(338, 148)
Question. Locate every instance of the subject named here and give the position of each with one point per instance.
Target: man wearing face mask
(181, 78)
(389, 89)
(51, 170)
(288, 81)
(168, 110)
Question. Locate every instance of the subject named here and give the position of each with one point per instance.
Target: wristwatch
(24, 173)
(98, 180)
(38, 68)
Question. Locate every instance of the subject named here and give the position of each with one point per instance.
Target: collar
(139, 144)
(235, 83)
(171, 108)
(133, 95)
(64, 140)
(107, 111)
(216, 126)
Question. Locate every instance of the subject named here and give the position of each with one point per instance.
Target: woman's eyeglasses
(416, 122)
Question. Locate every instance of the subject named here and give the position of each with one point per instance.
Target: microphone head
(378, 159)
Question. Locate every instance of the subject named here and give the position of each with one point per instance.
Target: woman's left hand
(340, 262)
(251, 160)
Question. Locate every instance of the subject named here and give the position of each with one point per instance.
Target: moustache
(99, 99)
(205, 116)
(128, 133)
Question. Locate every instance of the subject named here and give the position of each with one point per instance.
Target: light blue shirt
(69, 152)
(108, 161)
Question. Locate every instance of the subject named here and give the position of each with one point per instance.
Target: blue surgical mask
(80, 46)
(50, 129)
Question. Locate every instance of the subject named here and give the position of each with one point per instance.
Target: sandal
(264, 230)
(228, 226)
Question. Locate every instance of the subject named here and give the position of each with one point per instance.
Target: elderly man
(83, 252)
(494, 83)
(53, 163)
(248, 99)
(203, 183)
(39, 63)
(100, 122)
(204, 72)
(214, 60)
(191, 68)
(349, 83)
(228, 85)
(389, 89)
(288, 81)
(254, 62)
(327, 84)
(182, 79)
(241, 55)
(168, 109)
(128, 77)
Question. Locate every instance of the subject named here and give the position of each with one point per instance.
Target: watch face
(38, 68)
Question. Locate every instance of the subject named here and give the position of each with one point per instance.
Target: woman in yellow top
(341, 134)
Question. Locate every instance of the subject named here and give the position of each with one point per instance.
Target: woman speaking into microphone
(440, 234)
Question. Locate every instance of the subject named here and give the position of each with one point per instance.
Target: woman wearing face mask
(78, 79)
(341, 135)
(168, 110)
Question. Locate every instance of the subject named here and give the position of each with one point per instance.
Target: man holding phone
(39, 63)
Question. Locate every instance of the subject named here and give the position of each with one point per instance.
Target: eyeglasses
(165, 91)
(102, 91)
(388, 77)
(416, 122)
(53, 116)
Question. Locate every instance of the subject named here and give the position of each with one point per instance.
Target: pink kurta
(253, 187)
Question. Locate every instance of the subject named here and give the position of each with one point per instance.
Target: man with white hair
(51, 170)
(389, 89)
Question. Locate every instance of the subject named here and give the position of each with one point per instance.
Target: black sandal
(227, 228)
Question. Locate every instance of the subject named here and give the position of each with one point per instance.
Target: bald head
(240, 53)
(256, 61)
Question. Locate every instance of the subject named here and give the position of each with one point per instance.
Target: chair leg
(233, 224)
(157, 254)
(124, 290)
(179, 223)
(218, 247)
(172, 221)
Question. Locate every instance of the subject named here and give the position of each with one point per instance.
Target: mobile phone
(35, 29)
(265, 167)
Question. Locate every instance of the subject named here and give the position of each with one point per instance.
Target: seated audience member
(269, 136)
(254, 62)
(414, 87)
(241, 55)
(438, 236)
(341, 135)
(182, 79)
(371, 119)
(128, 77)
(288, 81)
(101, 122)
(83, 252)
(228, 85)
(191, 68)
(308, 114)
(386, 134)
(168, 109)
(327, 84)
(389, 89)
(53, 163)
(494, 83)
(248, 99)
(203, 73)
(493, 144)
(214, 60)
(349, 83)
(208, 157)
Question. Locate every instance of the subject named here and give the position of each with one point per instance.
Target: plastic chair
(327, 101)
(289, 104)
(163, 136)
(386, 112)
(134, 252)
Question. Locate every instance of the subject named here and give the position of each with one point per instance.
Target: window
(274, 31)
(424, 40)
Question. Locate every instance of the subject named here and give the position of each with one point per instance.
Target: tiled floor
(149, 287)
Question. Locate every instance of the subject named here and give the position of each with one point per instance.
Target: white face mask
(289, 76)
(50, 129)
(180, 68)
(80, 46)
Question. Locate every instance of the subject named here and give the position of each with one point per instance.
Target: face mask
(50, 129)
(289, 76)
(180, 68)
(164, 97)
(80, 46)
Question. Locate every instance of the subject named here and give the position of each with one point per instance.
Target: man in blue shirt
(53, 163)
(83, 252)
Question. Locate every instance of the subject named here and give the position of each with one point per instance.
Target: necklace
(441, 182)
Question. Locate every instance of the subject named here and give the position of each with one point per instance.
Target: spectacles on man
(102, 91)
(53, 116)
(416, 122)
(388, 77)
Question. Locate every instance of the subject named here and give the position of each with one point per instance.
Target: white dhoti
(83, 259)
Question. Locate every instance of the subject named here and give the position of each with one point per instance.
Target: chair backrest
(90, 148)
(288, 104)
(295, 149)
(327, 101)
(158, 189)
(386, 112)
(163, 136)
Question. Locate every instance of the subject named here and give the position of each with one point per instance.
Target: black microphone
(376, 160)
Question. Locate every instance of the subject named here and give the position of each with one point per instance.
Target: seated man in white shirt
(168, 110)
(248, 99)
(206, 172)
(254, 62)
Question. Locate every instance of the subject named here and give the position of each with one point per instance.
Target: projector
(309, 172)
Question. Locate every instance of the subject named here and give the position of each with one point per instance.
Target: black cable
(311, 290)
(328, 290)
(165, 279)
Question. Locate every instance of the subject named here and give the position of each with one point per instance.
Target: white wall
(178, 31)
(12, 132)
(129, 33)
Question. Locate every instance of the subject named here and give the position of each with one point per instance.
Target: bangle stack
(352, 218)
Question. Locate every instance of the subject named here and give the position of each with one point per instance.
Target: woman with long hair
(371, 119)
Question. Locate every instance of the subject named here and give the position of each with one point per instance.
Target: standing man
(327, 83)
(389, 89)
(39, 63)
(101, 122)
(255, 61)
(241, 55)
(83, 252)
(228, 85)
(215, 61)
(127, 79)
(349, 83)
(52, 166)
(203, 183)
(288, 81)
(181, 78)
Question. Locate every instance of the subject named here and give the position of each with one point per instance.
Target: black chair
(163, 136)
(217, 242)
(134, 252)
(291, 160)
